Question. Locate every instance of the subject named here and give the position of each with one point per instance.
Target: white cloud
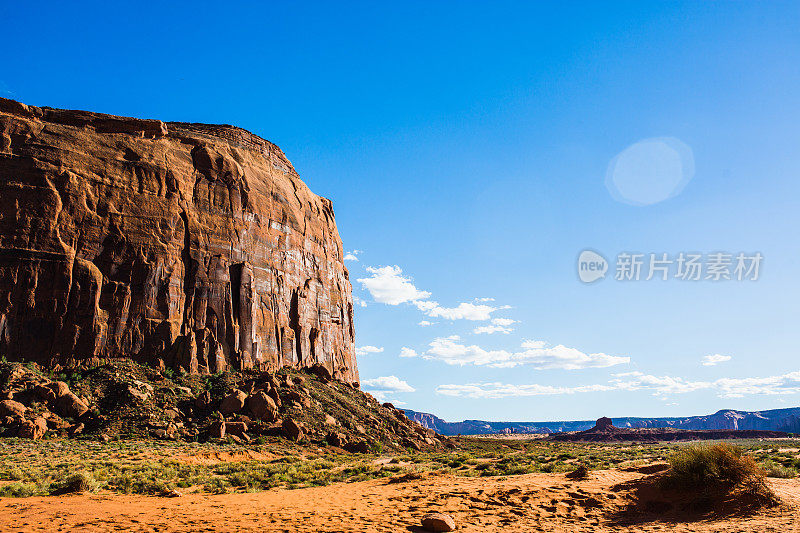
(425, 323)
(628, 374)
(407, 352)
(463, 311)
(359, 302)
(388, 285)
(364, 350)
(352, 256)
(498, 325)
(386, 396)
(715, 359)
(724, 387)
(535, 353)
(388, 383)
(659, 385)
(502, 390)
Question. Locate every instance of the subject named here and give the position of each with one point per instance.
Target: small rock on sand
(438, 522)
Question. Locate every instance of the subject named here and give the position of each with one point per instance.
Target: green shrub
(580, 473)
(19, 490)
(78, 482)
(719, 468)
(704, 464)
(773, 469)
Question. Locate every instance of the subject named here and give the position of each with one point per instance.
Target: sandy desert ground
(530, 502)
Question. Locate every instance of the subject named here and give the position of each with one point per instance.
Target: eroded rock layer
(189, 244)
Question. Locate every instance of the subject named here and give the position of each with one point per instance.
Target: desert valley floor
(530, 502)
(483, 486)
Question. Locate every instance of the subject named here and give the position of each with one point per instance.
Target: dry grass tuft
(720, 468)
(579, 473)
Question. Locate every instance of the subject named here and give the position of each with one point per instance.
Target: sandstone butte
(192, 246)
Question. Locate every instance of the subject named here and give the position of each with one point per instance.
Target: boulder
(262, 407)
(33, 429)
(44, 394)
(295, 396)
(321, 371)
(336, 438)
(273, 393)
(438, 522)
(59, 388)
(217, 429)
(233, 403)
(203, 400)
(139, 390)
(330, 420)
(410, 443)
(12, 408)
(56, 422)
(359, 446)
(292, 429)
(136, 394)
(236, 428)
(71, 406)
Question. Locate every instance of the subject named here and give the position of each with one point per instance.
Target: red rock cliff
(193, 244)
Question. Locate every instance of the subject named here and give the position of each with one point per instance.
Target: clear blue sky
(468, 145)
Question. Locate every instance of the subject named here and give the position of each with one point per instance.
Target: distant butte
(191, 246)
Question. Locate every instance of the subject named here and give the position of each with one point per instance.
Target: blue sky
(466, 147)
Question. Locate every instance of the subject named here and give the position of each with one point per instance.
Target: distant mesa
(783, 420)
(604, 423)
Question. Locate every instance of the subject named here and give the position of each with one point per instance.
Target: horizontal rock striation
(194, 246)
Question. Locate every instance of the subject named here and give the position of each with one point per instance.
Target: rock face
(192, 245)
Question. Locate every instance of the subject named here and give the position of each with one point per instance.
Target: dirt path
(533, 502)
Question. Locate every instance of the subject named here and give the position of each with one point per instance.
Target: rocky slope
(125, 400)
(189, 246)
(787, 420)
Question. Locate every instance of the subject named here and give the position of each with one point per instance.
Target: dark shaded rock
(44, 394)
(69, 405)
(292, 429)
(359, 446)
(233, 403)
(236, 428)
(322, 372)
(217, 429)
(336, 438)
(262, 407)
